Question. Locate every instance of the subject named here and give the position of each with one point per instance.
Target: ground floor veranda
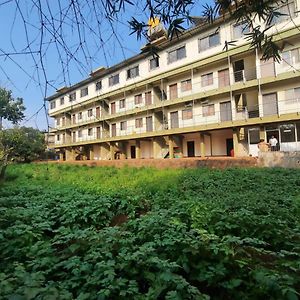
(234, 142)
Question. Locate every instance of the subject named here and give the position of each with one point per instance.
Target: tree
(10, 109)
(80, 30)
(23, 144)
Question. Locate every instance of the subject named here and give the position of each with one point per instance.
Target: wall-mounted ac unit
(204, 102)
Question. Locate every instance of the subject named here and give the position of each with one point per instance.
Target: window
(90, 112)
(286, 12)
(79, 133)
(84, 92)
(52, 104)
(122, 103)
(63, 123)
(210, 41)
(173, 91)
(139, 123)
(207, 79)
(292, 95)
(138, 99)
(287, 133)
(177, 54)
(98, 85)
(58, 121)
(254, 136)
(90, 131)
(186, 85)
(62, 100)
(73, 119)
(58, 137)
(148, 98)
(133, 72)
(123, 125)
(239, 30)
(79, 115)
(72, 97)
(291, 57)
(114, 79)
(187, 114)
(208, 110)
(154, 63)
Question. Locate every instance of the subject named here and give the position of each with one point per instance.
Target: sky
(96, 42)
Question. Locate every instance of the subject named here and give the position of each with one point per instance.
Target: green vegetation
(70, 232)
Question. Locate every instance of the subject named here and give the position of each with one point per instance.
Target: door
(238, 69)
(174, 119)
(225, 111)
(98, 112)
(173, 91)
(267, 68)
(98, 133)
(270, 104)
(132, 151)
(223, 77)
(229, 147)
(113, 108)
(74, 136)
(274, 133)
(113, 130)
(149, 124)
(148, 98)
(191, 148)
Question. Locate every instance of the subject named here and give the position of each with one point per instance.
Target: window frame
(99, 82)
(187, 113)
(205, 82)
(139, 121)
(111, 79)
(129, 75)
(90, 131)
(72, 97)
(53, 104)
(90, 112)
(208, 114)
(156, 59)
(122, 103)
(177, 58)
(123, 125)
(185, 83)
(62, 100)
(138, 96)
(208, 36)
(84, 92)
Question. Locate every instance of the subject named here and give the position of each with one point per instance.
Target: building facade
(194, 99)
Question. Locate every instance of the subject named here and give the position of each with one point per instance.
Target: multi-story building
(196, 98)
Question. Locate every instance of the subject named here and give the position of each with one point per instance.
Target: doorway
(229, 147)
(191, 149)
(274, 133)
(225, 111)
(132, 151)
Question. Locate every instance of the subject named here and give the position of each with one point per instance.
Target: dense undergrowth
(70, 232)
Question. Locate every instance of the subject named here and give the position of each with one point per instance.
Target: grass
(77, 232)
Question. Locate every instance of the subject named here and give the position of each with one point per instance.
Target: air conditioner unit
(204, 101)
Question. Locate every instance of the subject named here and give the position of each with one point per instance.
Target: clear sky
(102, 45)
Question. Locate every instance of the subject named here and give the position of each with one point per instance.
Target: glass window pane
(287, 132)
(214, 40)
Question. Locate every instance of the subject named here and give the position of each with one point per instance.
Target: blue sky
(19, 72)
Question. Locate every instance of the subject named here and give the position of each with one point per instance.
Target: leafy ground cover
(70, 232)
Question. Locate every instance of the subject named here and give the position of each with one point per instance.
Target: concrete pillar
(92, 152)
(235, 136)
(70, 154)
(262, 134)
(104, 151)
(171, 147)
(137, 149)
(61, 156)
(156, 148)
(202, 145)
(112, 150)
